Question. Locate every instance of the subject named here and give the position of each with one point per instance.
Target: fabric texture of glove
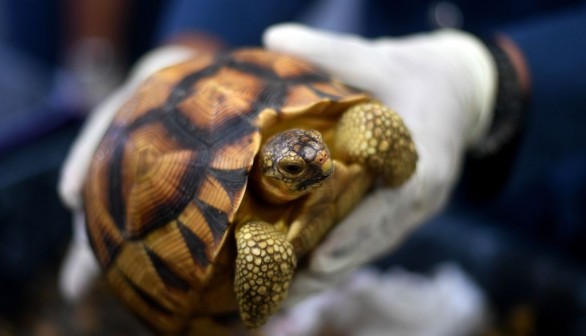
(397, 302)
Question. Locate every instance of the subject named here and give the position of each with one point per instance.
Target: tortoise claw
(264, 267)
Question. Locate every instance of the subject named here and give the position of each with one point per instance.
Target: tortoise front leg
(264, 267)
(374, 135)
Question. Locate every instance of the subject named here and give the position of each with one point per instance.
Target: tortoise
(223, 171)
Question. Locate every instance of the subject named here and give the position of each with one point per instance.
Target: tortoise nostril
(321, 157)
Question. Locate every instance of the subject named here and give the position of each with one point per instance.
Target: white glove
(443, 84)
(80, 266)
(398, 303)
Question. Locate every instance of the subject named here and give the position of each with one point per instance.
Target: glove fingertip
(286, 37)
(78, 272)
(69, 187)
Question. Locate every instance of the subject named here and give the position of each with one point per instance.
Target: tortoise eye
(292, 168)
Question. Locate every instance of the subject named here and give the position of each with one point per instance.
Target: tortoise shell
(169, 176)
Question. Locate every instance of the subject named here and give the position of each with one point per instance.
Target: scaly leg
(264, 267)
(374, 135)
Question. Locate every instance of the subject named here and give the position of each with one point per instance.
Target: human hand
(443, 85)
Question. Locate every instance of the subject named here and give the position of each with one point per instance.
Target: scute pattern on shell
(171, 171)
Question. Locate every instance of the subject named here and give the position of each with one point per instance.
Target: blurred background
(520, 238)
(58, 58)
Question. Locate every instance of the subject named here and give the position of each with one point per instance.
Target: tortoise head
(292, 163)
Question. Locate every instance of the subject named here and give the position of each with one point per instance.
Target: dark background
(524, 243)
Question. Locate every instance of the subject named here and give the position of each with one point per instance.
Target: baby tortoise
(221, 172)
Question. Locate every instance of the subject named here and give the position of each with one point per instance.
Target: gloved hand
(443, 84)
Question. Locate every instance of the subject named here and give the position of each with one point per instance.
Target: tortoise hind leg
(264, 267)
(374, 135)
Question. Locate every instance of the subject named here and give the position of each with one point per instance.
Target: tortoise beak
(326, 163)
